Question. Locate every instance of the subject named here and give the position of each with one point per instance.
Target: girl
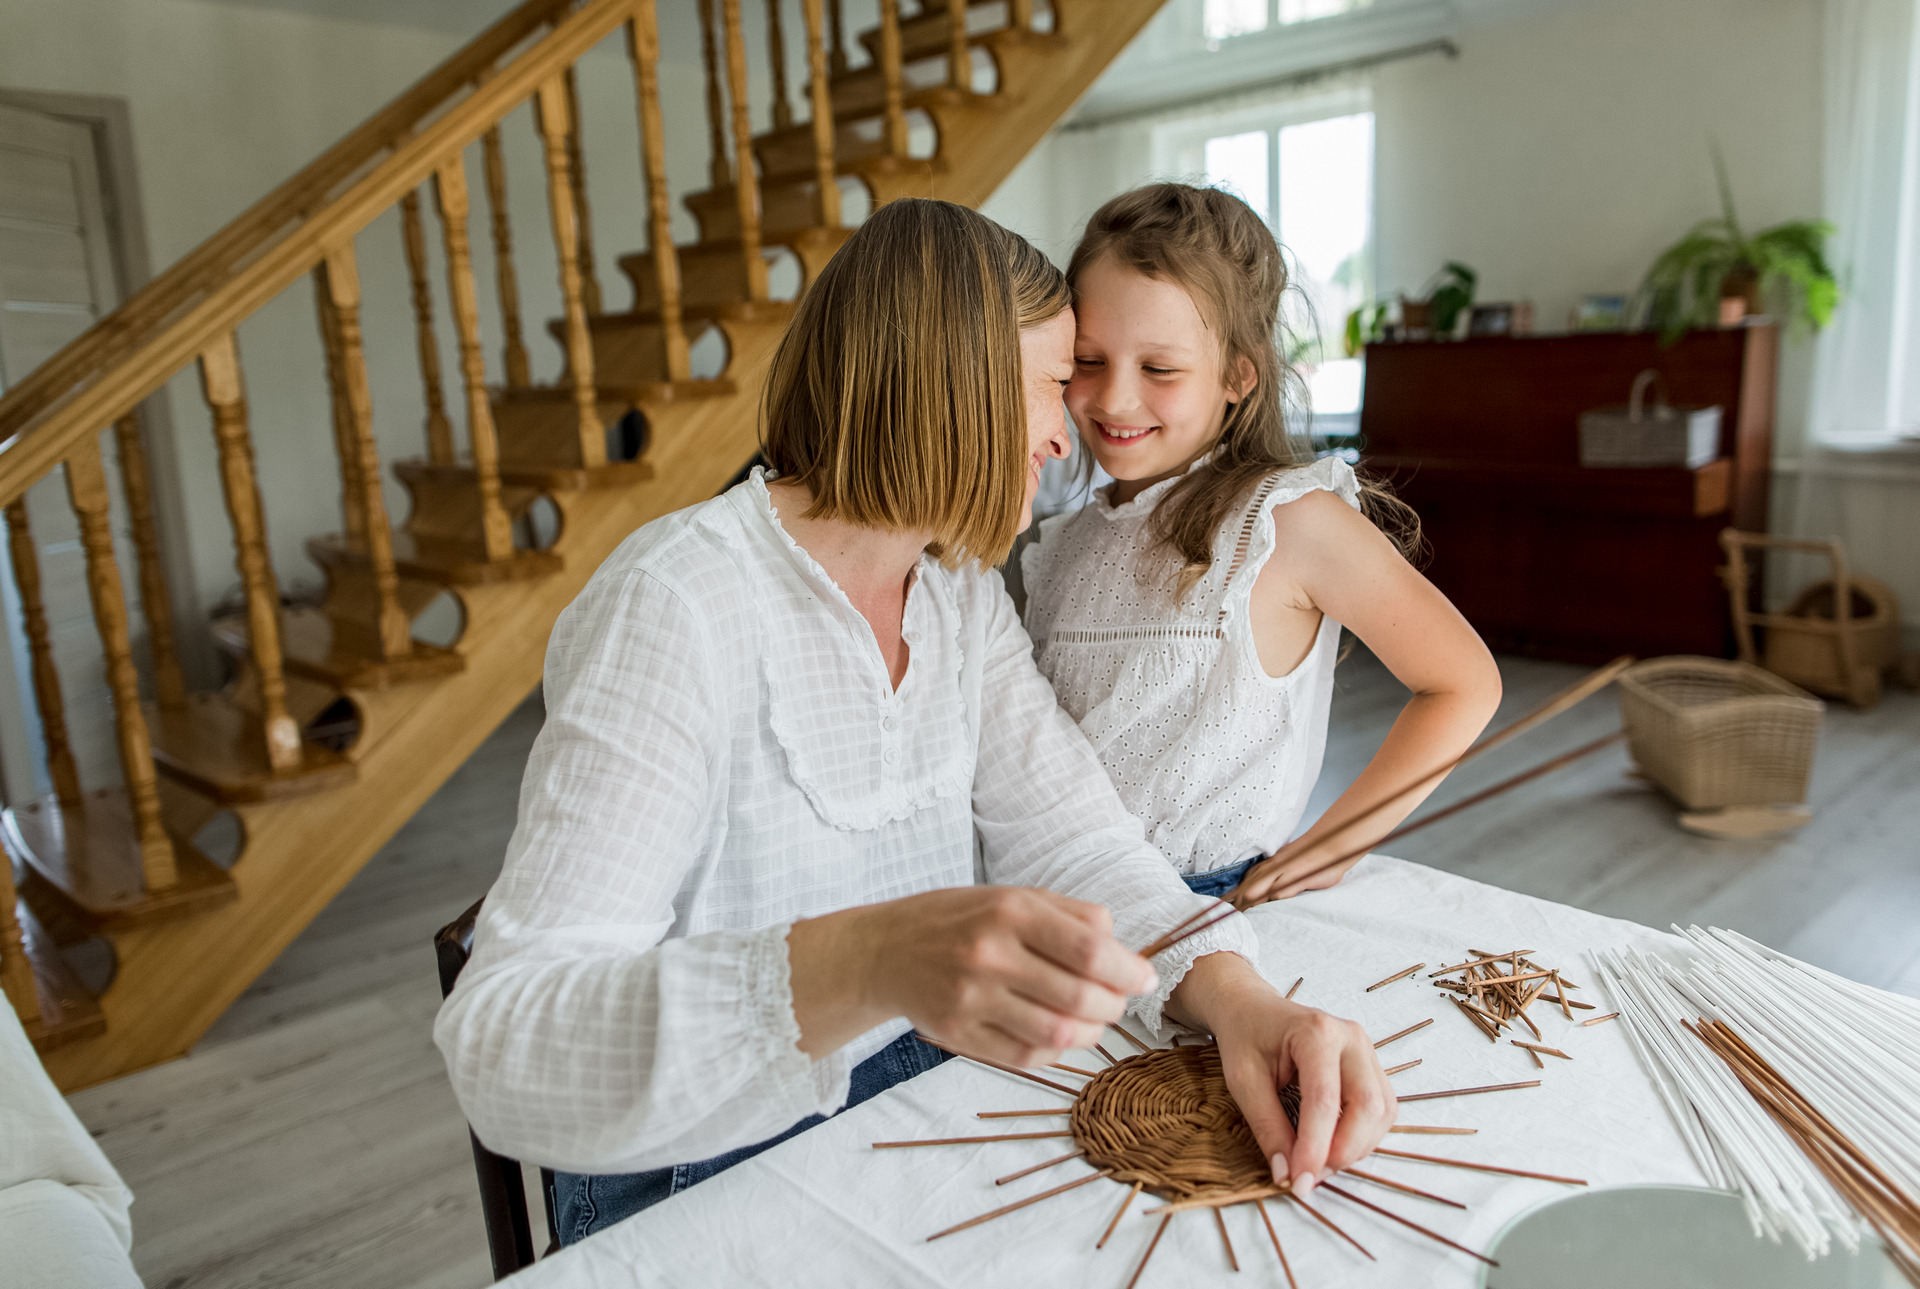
(1188, 617)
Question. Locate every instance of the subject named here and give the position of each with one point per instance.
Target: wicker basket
(1716, 733)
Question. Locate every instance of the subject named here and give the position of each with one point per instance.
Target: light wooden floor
(311, 1139)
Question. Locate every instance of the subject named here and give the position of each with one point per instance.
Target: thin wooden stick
(995, 1065)
(1398, 975)
(1327, 1222)
(1107, 1234)
(1478, 1168)
(1568, 697)
(1031, 1199)
(1024, 1172)
(1398, 1127)
(1536, 1047)
(1480, 1021)
(1072, 1069)
(1597, 1019)
(968, 1141)
(1205, 911)
(1290, 993)
(1167, 941)
(1392, 1185)
(1435, 1236)
(1563, 986)
(1571, 1002)
(1221, 1221)
(1403, 1033)
(1017, 1114)
(1105, 1054)
(1467, 1092)
(1277, 1250)
(1154, 1244)
(1407, 1066)
(1538, 1064)
(1127, 1034)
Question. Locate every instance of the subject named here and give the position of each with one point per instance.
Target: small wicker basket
(1715, 733)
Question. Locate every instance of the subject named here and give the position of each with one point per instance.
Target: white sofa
(63, 1209)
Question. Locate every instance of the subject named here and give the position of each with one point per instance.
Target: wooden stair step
(925, 34)
(790, 151)
(68, 1013)
(217, 748)
(314, 645)
(447, 561)
(87, 857)
(539, 434)
(719, 270)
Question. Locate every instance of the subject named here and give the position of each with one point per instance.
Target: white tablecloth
(827, 1209)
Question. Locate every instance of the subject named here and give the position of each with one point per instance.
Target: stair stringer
(176, 978)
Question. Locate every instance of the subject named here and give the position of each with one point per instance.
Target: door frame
(110, 122)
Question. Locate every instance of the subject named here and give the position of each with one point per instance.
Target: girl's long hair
(1211, 245)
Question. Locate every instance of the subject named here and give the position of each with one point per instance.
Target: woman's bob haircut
(896, 397)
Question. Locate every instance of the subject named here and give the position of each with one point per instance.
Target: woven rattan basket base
(1166, 1120)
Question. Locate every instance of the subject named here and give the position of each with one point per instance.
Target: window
(1225, 19)
(1306, 168)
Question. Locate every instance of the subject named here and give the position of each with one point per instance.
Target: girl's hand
(1014, 974)
(1286, 873)
(1266, 1042)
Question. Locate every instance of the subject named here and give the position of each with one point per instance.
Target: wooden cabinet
(1544, 556)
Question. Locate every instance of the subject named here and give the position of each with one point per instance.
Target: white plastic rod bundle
(1853, 1052)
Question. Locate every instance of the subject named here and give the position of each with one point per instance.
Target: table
(827, 1209)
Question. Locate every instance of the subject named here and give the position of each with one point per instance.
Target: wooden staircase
(313, 803)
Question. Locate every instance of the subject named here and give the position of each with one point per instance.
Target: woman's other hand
(1012, 974)
(1289, 871)
(1266, 1042)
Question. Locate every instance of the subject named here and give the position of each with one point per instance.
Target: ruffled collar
(1144, 502)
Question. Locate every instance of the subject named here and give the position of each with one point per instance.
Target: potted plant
(1443, 299)
(1718, 273)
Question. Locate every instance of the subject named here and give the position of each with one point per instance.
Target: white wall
(229, 100)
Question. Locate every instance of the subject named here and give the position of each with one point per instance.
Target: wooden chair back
(503, 1192)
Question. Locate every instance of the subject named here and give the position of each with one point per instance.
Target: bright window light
(1223, 19)
(1239, 162)
(1326, 223)
(1307, 10)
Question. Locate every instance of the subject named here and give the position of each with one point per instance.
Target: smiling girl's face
(1148, 390)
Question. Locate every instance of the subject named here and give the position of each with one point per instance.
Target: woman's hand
(1013, 974)
(1266, 1042)
(1289, 871)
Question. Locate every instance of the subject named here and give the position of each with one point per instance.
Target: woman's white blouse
(723, 754)
(1213, 754)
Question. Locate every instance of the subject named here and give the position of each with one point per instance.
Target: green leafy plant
(1718, 259)
(1443, 298)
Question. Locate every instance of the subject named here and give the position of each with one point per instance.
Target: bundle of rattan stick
(1795, 1087)
(1494, 990)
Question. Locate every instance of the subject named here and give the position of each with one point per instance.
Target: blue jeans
(585, 1204)
(1220, 881)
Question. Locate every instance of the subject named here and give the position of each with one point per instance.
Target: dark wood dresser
(1546, 557)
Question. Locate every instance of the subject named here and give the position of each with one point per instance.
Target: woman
(746, 856)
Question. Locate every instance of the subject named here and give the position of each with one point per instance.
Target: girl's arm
(1329, 557)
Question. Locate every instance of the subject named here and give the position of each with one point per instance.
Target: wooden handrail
(144, 365)
(111, 338)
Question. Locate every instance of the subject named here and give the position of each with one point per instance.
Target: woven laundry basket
(1715, 733)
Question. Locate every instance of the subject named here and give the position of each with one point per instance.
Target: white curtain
(1866, 387)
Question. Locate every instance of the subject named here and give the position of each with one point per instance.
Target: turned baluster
(1020, 15)
(514, 351)
(551, 116)
(168, 685)
(777, 56)
(450, 196)
(16, 973)
(718, 173)
(746, 181)
(343, 290)
(959, 59)
(226, 397)
(352, 511)
(439, 429)
(643, 47)
(87, 491)
(582, 212)
(890, 75)
(820, 93)
(837, 50)
(46, 677)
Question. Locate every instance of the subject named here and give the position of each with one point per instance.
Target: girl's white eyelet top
(1214, 755)
(723, 754)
